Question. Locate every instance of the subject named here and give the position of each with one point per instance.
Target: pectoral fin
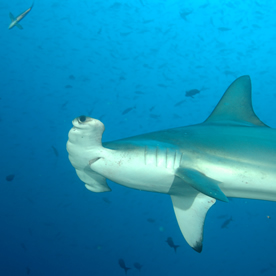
(202, 183)
(12, 17)
(93, 181)
(190, 212)
(19, 26)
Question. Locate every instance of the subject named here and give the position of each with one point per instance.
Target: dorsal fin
(235, 105)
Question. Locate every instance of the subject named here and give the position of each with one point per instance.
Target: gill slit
(180, 161)
(174, 159)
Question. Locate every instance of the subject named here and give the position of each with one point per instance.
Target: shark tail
(175, 247)
(32, 5)
(126, 269)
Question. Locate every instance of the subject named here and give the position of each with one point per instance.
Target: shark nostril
(82, 119)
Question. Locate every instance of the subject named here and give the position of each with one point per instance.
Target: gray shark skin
(231, 154)
(15, 20)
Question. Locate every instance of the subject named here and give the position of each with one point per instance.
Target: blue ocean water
(128, 64)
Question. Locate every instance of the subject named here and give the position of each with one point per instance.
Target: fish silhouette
(123, 265)
(137, 266)
(171, 243)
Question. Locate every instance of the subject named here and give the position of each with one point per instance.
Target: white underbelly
(135, 175)
(137, 170)
(244, 180)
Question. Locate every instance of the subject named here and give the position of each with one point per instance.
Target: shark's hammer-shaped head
(85, 141)
(85, 147)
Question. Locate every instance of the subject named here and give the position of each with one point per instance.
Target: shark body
(15, 20)
(231, 154)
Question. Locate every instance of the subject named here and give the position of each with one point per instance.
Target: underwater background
(128, 64)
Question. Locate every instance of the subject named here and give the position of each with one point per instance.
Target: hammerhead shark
(231, 154)
(15, 20)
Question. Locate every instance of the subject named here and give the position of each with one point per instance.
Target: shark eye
(82, 119)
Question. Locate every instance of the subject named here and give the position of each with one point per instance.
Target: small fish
(122, 265)
(30, 200)
(19, 18)
(141, 2)
(137, 266)
(68, 86)
(139, 92)
(116, 5)
(176, 116)
(55, 151)
(64, 105)
(171, 243)
(151, 220)
(147, 66)
(225, 224)
(154, 116)
(127, 110)
(223, 29)
(231, 73)
(162, 85)
(58, 234)
(184, 13)
(71, 77)
(148, 21)
(125, 34)
(10, 177)
(256, 26)
(204, 5)
(192, 92)
(263, 270)
(23, 246)
(105, 199)
(180, 102)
